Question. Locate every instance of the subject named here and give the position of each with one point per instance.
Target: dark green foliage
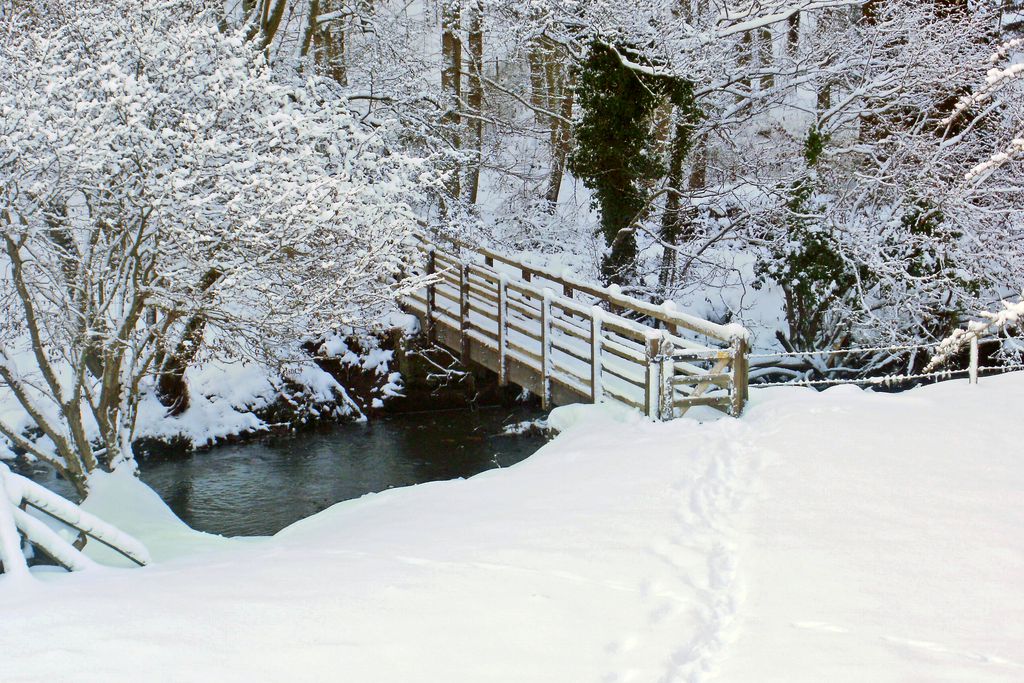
(814, 146)
(614, 154)
(925, 222)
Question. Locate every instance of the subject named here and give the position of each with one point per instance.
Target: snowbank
(235, 398)
(842, 536)
(226, 397)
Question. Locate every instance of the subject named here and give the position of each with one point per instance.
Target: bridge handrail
(722, 333)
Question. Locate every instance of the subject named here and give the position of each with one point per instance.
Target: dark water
(260, 487)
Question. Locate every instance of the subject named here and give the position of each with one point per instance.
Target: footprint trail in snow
(698, 591)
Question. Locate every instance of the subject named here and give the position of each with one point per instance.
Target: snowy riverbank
(842, 536)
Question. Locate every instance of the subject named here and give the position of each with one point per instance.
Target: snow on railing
(1011, 314)
(18, 493)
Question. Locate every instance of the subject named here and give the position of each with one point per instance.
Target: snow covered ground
(841, 536)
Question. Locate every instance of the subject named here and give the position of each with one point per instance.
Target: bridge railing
(571, 340)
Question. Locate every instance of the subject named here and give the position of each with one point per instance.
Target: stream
(259, 487)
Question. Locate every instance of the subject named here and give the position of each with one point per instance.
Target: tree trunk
(793, 34)
(676, 220)
(671, 218)
(561, 88)
(451, 80)
(309, 33)
(172, 389)
(538, 97)
(745, 60)
(766, 58)
(561, 136)
(330, 42)
(475, 97)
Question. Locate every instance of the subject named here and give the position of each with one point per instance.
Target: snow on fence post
(545, 348)
(652, 383)
(739, 375)
(502, 332)
(596, 390)
(431, 289)
(972, 369)
(464, 312)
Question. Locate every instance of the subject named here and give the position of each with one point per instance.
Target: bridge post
(596, 390)
(502, 344)
(545, 349)
(431, 300)
(464, 324)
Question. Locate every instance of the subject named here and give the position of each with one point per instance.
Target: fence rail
(568, 341)
(18, 494)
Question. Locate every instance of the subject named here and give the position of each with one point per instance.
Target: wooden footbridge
(569, 341)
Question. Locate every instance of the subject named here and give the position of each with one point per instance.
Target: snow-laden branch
(778, 15)
(992, 322)
(997, 80)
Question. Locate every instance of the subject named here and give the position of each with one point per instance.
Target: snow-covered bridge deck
(569, 341)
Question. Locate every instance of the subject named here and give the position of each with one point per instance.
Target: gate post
(596, 390)
(545, 349)
(739, 375)
(667, 395)
(652, 385)
(502, 343)
(972, 369)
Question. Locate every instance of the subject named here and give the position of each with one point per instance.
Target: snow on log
(15, 523)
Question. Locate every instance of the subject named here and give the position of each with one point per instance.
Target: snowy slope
(843, 536)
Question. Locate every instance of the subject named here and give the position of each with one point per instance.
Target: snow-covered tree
(161, 188)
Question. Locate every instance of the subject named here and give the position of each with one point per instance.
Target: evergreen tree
(615, 155)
